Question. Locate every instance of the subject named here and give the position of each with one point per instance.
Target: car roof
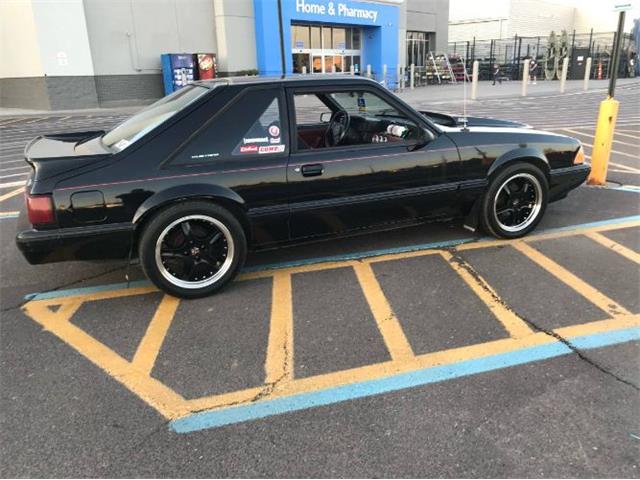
(315, 79)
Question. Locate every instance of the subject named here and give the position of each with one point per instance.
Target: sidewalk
(435, 94)
(453, 93)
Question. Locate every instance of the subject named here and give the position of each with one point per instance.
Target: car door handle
(314, 170)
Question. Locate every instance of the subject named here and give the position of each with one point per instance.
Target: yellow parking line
(590, 293)
(547, 236)
(388, 324)
(617, 152)
(220, 400)
(626, 172)
(153, 392)
(626, 168)
(589, 135)
(312, 267)
(635, 145)
(635, 137)
(279, 363)
(515, 325)
(149, 348)
(615, 246)
(431, 359)
(10, 194)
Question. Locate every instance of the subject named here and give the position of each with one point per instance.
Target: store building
(531, 18)
(89, 53)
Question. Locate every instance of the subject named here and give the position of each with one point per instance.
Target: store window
(418, 47)
(316, 41)
(300, 36)
(326, 38)
(339, 36)
(356, 39)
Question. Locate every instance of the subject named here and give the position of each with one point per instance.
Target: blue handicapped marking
(266, 408)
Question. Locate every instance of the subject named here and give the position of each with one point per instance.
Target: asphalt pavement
(426, 351)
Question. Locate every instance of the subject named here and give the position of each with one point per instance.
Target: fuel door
(88, 207)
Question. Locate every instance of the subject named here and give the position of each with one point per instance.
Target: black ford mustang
(191, 182)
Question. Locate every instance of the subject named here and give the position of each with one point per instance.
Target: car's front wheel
(515, 201)
(192, 249)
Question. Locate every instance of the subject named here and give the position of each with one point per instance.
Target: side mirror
(426, 136)
(325, 117)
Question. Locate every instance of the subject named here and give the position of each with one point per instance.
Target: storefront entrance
(325, 49)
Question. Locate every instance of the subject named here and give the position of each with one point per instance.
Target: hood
(444, 120)
(51, 155)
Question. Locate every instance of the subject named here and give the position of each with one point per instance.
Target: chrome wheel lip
(224, 268)
(535, 210)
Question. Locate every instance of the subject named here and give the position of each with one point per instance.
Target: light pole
(282, 54)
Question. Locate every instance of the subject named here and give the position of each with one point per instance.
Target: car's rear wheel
(192, 249)
(515, 201)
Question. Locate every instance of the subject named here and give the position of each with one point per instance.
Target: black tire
(505, 222)
(189, 239)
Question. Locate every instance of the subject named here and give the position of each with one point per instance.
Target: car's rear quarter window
(252, 125)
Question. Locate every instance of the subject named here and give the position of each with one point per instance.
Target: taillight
(579, 158)
(40, 209)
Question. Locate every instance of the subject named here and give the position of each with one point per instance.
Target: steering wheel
(337, 129)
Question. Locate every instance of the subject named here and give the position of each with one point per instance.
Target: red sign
(249, 149)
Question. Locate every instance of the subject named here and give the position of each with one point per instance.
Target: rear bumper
(96, 242)
(563, 180)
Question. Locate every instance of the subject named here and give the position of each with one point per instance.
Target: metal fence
(510, 53)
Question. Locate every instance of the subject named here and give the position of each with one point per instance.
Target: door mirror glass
(325, 117)
(427, 136)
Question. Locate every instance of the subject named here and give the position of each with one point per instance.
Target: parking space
(314, 328)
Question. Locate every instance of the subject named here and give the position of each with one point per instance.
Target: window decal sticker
(274, 130)
(249, 149)
(265, 133)
(205, 155)
(255, 140)
(271, 149)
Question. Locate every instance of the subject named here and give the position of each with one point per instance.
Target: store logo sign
(335, 9)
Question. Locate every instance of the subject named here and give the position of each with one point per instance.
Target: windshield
(363, 103)
(150, 117)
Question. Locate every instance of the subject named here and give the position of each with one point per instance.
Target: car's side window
(310, 110)
(358, 117)
(250, 126)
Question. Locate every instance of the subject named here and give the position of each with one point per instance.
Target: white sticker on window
(205, 155)
(255, 140)
(271, 149)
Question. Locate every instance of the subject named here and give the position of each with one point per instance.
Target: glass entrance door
(325, 49)
(333, 64)
(301, 63)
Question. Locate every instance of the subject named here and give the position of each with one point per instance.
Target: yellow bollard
(603, 141)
